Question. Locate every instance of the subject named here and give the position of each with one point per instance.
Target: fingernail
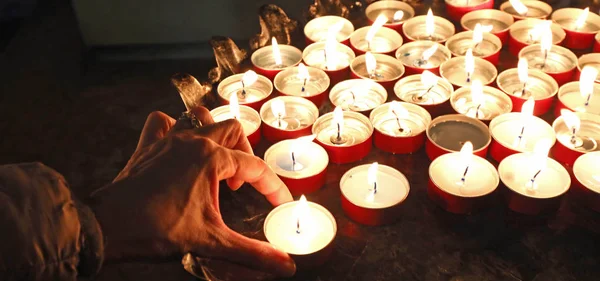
(290, 268)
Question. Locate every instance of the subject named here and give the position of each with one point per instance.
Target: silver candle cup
(520, 34)
(411, 56)
(499, 20)
(434, 98)
(454, 71)
(316, 30)
(536, 9)
(586, 139)
(299, 116)
(288, 83)
(569, 97)
(415, 29)
(389, 9)
(488, 49)
(359, 95)
(253, 95)
(387, 71)
(559, 62)
(494, 103)
(590, 60)
(264, 59)
(541, 86)
(385, 41)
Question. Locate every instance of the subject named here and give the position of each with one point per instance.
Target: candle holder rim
(317, 146)
(592, 17)
(380, 168)
(341, 86)
(517, 115)
(545, 7)
(417, 77)
(573, 84)
(566, 52)
(477, 60)
(466, 90)
(236, 78)
(470, 6)
(287, 99)
(584, 58)
(576, 169)
(444, 23)
(447, 54)
(269, 49)
(321, 18)
(378, 57)
(506, 16)
(492, 38)
(487, 164)
(390, 34)
(416, 109)
(462, 118)
(310, 69)
(531, 73)
(390, 4)
(347, 50)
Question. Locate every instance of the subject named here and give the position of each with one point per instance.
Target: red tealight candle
(250, 89)
(577, 133)
(330, 56)
(500, 22)
(580, 26)
(586, 181)
(307, 82)
(456, 9)
(287, 118)
(397, 12)
(556, 61)
(399, 127)
(482, 43)
(382, 69)
(530, 31)
(270, 60)
(583, 95)
(376, 39)
(419, 56)
(448, 133)
(527, 9)
(319, 29)
(588, 60)
(247, 116)
(427, 90)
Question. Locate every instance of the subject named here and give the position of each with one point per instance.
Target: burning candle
(419, 56)
(530, 31)
(556, 61)
(330, 56)
(577, 133)
(360, 95)
(456, 9)
(448, 133)
(536, 182)
(580, 26)
(428, 28)
(300, 163)
(301, 81)
(526, 9)
(287, 118)
(249, 88)
(303, 229)
(500, 22)
(586, 185)
(483, 103)
(346, 136)
(270, 60)
(376, 38)
(461, 182)
(462, 71)
(580, 96)
(397, 13)
(482, 43)
(522, 83)
(518, 132)
(372, 194)
(426, 90)
(319, 29)
(399, 127)
(588, 60)
(247, 116)
(382, 69)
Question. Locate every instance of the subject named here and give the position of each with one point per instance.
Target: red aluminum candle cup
(516, 172)
(358, 95)
(386, 41)
(411, 56)
(355, 138)
(389, 10)
(289, 82)
(399, 130)
(435, 99)
(362, 204)
(337, 68)
(415, 29)
(568, 147)
(577, 37)
(536, 10)
(297, 117)
(500, 21)
(569, 97)
(448, 133)
(256, 94)
(541, 86)
(488, 49)
(496, 103)
(456, 9)
(263, 60)
(387, 72)
(520, 37)
(592, 60)
(447, 190)
(586, 180)
(454, 71)
(249, 119)
(561, 62)
(597, 43)
(317, 29)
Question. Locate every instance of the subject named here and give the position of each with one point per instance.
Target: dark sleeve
(45, 234)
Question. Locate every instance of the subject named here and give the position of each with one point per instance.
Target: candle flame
(398, 110)
(586, 81)
(429, 23)
(469, 62)
(234, 106)
(477, 93)
(334, 30)
(338, 119)
(301, 213)
(582, 18)
(546, 37)
(249, 78)
(278, 107)
(571, 120)
(478, 33)
(379, 22)
(371, 63)
(398, 15)
(303, 72)
(528, 106)
(331, 51)
(299, 145)
(276, 52)
(466, 154)
(519, 7)
(429, 52)
(523, 69)
(428, 79)
(372, 174)
(540, 153)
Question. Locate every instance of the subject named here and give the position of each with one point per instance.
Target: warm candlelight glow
(398, 15)
(466, 157)
(571, 120)
(546, 38)
(303, 73)
(527, 108)
(398, 110)
(372, 175)
(338, 120)
(234, 106)
(371, 63)
(469, 64)
(276, 52)
(301, 212)
(278, 108)
(428, 79)
(477, 97)
(478, 32)
(249, 78)
(582, 18)
(429, 52)
(522, 69)
(586, 82)
(297, 148)
(519, 7)
(379, 22)
(430, 24)
(540, 161)
(331, 51)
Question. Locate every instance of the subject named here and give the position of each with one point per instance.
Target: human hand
(165, 202)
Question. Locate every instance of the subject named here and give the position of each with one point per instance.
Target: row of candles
(500, 121)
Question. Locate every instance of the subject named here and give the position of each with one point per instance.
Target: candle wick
(298, 226)
(375, 188)
(293, 161)
(468, 77)
(368, 45)
(521, 135)
(545, 59)
(523, 90)
(339, 132)
(243, 89)
(464, 176)
(534, 177)
(279, 119)
(587, 101)
(304, 85)
(353, 97)
(477, 111)
(400, 127)
(325, 55)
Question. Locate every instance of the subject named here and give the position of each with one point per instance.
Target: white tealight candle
(586, 171)
(249, 87)
(358, 95)
(374, 188)
(328, 55)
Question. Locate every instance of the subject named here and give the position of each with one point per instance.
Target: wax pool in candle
(539, 85)
(517, 170)
(507, 128)
(309, 158)
(586, 170)
(314, 55)
(447, 172)
(389, 13)
(392, 187)
(358, 94)
(386, 68)
(454, 70)
(384, 40)
(356, 129)
(256, 91)
(452, 135)
(534, 10)
(559, 59)
(319, 28)
(571, 97)
(497, 25)
(289, 113)
(222, 114)
(412, 122)
(587, 135)
(412, 89)
(488, 103)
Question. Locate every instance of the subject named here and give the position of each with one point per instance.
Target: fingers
(228, 133)
(201, 113)
(156, 127)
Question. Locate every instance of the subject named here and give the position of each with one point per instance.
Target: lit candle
(360, 95)
(456, 9)
(288, 117)
(247, 116)
(249, 88)
(330, 56)
(586, 183)
(320, 28)
(499, 20)
(303, 229)
(375, 38)
(429, 28)
(448, 133)
(301, 81)
(536, 182)
(399, 127)
(460, 182)
(526, 9)
(483, 103)
(577, 133)
(580, 26)
(426, 90)
(461, 71)
(588, 60)
(383, 69)
(270, 60)
(419, 56)
(372, 194)
(580, 96)
(556, 61)
(397, 13)
(300, 163)
(530, 31)
(481, 43)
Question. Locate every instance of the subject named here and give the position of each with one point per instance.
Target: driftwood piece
(192, 92)
(228, 57)
(274, 22)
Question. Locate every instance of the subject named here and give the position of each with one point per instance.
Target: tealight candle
(535, 182)
(330, 56)
(460, 182)
(518, 132)
(456, 9)
(522, 83)
(249, 88)
(580, 96)
(247, 116)
(360, 95)
(499, 20)
(556, 61)
(580, 26)
(588, 60)
(399, 127)
(318, 29)
(527, 9)
(382, 69)
(270, 60)
(375, 39)
(302, 81)
(419, 56)
(480, 102)
(397, 12)
(346, 136)
(586, 183)
(462, 71)
(448, 133)
(483, 44)
(287, 118)
(427, 90)
(305, 230)
(372, 194)
(528, 32)
(300, 163)
(428, 28)
(577, 133)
